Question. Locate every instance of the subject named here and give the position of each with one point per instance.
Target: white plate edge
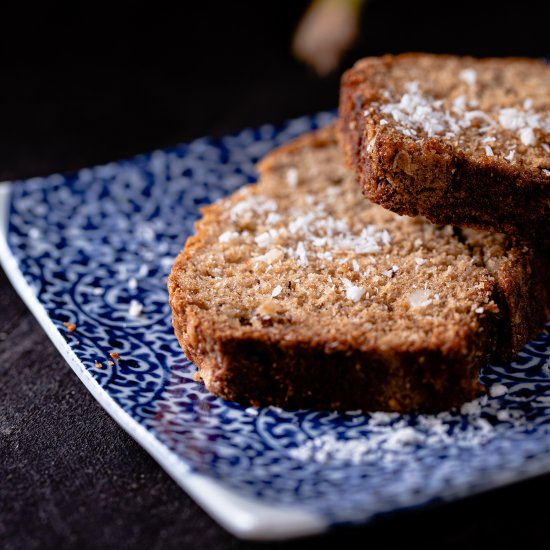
(244, 517)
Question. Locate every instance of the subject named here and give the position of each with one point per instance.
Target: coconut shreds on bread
(297, 292)
(455, 139)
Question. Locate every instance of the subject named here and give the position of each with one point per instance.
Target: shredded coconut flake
(404, 436)
(497, 390)
(469, 76)
(459, 104)
(252, 207)
(420, 261)
(523, 122)
(391, 439)
(227, 236)
(353, 293)
(419, 298)
(292, 178)
(471, 408)
(489, 151)
(263, 240)
(416, 112)
(301, 255)
(323, 230)
(419, 112)
(324, 255)
(546, 172)
(276, 291)
(511, 119)
(270, 256)
(527, 136)
(273, 218)
(135, 308)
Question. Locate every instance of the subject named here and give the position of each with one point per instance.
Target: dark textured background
(87, 84)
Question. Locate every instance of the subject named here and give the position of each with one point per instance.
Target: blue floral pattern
(96, 248)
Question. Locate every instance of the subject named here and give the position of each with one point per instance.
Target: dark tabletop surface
(86, 85)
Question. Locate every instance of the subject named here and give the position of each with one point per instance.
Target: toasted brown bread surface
(458, 140)
(298, 292)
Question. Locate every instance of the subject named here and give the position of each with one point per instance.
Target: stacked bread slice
(460, 141)
(299, 292)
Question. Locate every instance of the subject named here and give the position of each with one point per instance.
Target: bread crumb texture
(294, 288)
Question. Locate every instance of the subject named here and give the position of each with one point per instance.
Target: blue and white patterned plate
(94, 249)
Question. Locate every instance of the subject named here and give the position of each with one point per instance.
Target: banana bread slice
(299, 293)
(458, 140)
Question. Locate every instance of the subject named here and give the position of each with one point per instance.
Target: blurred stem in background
(326, 31)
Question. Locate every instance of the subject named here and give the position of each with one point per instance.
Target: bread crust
(291, 374)
(432, 177)
(285, 368)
